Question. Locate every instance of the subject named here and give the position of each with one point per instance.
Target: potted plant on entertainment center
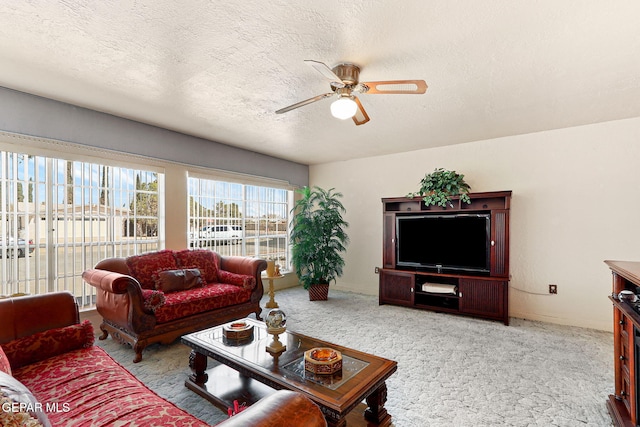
(437, 187)
(318, 239)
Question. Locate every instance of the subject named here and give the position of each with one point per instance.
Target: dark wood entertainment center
(624, 404)
(479, 295)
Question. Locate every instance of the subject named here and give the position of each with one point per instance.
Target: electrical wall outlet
(377, 270)
(553, 289)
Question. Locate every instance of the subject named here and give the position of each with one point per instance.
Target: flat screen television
(444, 242)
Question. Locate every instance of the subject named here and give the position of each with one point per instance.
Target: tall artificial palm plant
(318, 237)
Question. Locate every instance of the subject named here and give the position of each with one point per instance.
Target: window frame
(284, 255)
(62, 234)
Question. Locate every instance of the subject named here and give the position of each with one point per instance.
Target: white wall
(575, 203)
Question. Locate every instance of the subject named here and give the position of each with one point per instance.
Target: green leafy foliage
(318, 236)
(437, 187)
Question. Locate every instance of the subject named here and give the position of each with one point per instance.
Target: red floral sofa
(51, 374)
(160, 296)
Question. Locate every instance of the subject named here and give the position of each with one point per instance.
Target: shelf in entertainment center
(479, 201)
(479, 294)
(440, 302)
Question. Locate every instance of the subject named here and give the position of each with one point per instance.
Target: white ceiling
(220, 69)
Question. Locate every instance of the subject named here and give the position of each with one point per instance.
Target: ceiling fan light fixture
(344, 80)
(344, 107)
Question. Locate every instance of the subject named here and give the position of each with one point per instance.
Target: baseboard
(582, 323)
(352, 287)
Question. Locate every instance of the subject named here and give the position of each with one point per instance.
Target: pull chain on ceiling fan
(344, 84)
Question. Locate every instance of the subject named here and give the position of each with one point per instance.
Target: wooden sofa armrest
(54, 310)
(282, 408)
(119, 299)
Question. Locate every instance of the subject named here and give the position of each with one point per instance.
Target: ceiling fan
(345, 84)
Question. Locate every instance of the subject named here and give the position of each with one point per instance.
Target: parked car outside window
(221, 233)
(10, 245)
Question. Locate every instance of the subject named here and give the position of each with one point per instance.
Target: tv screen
(447, 242)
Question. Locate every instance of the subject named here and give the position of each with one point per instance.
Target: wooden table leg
(271, 303)
(376, 411)
(198, 365)
(333, 423)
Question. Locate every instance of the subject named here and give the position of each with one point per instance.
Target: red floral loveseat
(160, 296)
(51, 374)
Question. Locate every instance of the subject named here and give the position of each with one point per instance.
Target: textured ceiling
(220, 69)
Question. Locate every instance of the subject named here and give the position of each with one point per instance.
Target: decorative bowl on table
(238, 330)
(322, 361)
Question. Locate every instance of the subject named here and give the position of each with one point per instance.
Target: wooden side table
(271, 303)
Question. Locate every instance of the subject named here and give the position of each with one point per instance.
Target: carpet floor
(452, 370)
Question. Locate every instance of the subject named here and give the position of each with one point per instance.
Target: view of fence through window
(239, 219)
(60, 217)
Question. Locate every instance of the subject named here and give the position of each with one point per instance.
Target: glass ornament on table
(276, 321)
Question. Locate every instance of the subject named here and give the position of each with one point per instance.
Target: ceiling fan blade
(393, 87)
(324, 69)
(305, 102)
(361, 117)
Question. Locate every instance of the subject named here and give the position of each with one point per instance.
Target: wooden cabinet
(480, 297)
(399, 287)
(623, 404)
(485, 296)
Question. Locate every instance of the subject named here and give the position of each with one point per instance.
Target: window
(60, 217)
(239, 219)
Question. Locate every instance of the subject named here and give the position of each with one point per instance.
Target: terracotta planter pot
(318, 292)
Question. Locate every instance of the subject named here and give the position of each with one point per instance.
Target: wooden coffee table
(247, 373)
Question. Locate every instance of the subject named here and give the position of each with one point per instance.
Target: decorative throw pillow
(43, 345)
(144, 266)
(152, 299)
(5, 366)
(202, 259)
(178, 280)
(243, 280)
(18, 406)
